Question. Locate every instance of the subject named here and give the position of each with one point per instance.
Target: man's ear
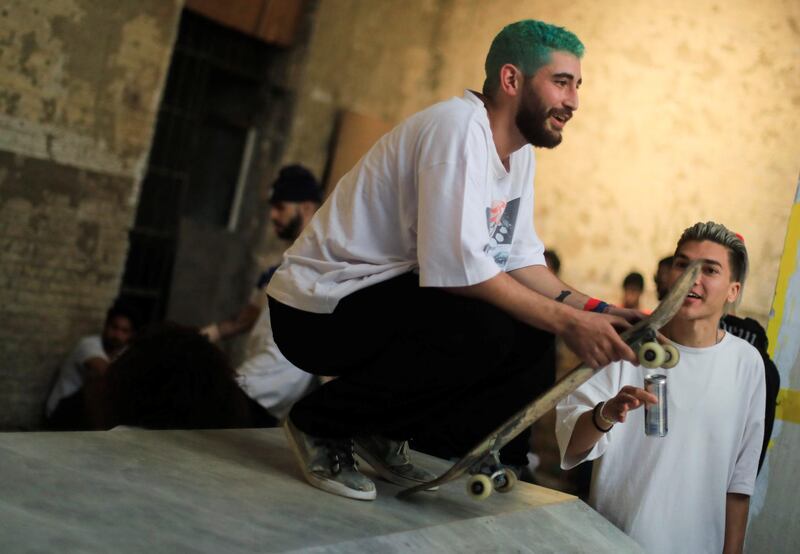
(511, 79)
(307, 209)
(733, 291)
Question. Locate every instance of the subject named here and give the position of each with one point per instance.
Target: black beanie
(295, 184)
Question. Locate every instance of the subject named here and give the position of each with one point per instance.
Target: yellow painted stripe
(788, 408)
(770, 444)
(787, 269)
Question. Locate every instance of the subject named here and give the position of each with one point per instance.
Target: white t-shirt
(70, 376)
(266, 376)
(430, 196)
(669, 493)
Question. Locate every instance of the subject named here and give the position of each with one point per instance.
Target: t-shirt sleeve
(452, 232)
(527, 248)
(744, 472)
(88, 348)
(602, 386)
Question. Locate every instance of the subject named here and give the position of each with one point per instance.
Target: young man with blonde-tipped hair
(423, 281)
(688, 491)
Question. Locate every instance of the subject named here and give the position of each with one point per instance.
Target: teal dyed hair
(526, 44)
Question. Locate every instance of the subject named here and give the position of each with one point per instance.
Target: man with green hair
(423, 284)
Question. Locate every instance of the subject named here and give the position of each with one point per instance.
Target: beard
(292, 229)
(531, 121)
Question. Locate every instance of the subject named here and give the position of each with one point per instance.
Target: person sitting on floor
(73, 403)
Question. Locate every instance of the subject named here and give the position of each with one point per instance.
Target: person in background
(632, 288)
(75, 401)
(272, 383)
(661, 277)
(295, 197)
(553, 261)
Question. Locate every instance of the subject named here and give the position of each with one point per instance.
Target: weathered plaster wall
(690, 110)
(80, 83)
(774, 510)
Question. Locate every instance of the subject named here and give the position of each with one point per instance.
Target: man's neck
(506, 136)
(698, 333)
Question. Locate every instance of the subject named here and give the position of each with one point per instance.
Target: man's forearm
(543, 281)
(584, 435)
(244, 321)
(736, 508)
(520, 301)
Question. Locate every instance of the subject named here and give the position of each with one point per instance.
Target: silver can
(655, 415)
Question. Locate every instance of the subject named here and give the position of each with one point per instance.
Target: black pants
(414, 362)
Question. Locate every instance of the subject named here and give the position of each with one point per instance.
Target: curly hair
(526, 44)
(171, 377)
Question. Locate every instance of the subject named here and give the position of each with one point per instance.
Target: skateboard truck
(490, 475)
(652, 353)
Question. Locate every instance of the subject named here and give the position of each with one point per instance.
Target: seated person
(688, 491)
(75, 396)
(173, 378)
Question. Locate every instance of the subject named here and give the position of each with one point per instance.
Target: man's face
(548, 100)
(117, 333)
(287, 219)
(714, 286)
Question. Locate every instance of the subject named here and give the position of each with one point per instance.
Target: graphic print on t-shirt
(501, 219)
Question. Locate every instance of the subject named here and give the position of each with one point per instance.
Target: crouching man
(690, 490)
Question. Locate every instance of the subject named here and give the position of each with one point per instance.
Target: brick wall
(80, 89)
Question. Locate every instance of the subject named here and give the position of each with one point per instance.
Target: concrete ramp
(237, 491)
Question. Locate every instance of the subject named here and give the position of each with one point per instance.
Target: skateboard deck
(641, 336)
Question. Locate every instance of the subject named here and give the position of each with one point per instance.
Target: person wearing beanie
(294, 198)
(270, 381)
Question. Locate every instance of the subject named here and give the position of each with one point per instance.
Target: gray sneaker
(328, 464)
(390, 460)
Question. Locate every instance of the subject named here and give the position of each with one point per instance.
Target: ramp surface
(237, 491)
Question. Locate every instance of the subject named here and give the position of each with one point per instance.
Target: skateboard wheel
(509, 480)
(479, 487)
(651, 355)
(672, 356)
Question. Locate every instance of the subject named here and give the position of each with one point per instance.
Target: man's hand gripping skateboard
(482, 462)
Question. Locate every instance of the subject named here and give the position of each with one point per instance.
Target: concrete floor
(234, 491)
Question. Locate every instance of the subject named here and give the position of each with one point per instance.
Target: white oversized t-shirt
(669, 493)
(70, 377)
(266, 376)
(430, 196)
